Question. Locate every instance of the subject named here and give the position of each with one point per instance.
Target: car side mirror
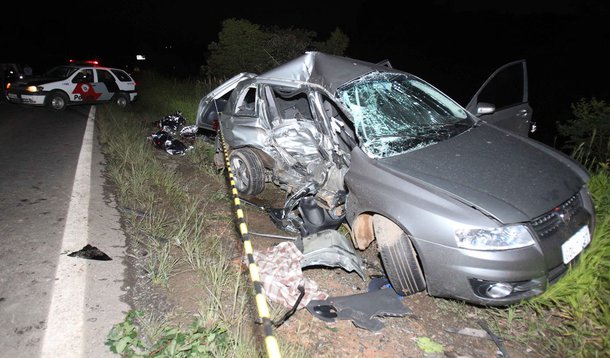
(485, 108)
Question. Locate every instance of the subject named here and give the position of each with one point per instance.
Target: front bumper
(463, 274)
(493, 278)
(26, 98)
(471, 275)
(505, 277)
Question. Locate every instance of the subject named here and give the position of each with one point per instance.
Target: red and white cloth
(281, 275)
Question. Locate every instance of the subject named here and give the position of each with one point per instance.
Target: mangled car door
(213, 103)
(296, 137)
(503, 99)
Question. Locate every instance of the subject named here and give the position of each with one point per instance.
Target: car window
(104, 76)
(295, 106)
(505, 89)
(211, 113)
(395, 113)
(246, 103)
(83, 76)
(122, 75)
(60, 72)
(283, 104)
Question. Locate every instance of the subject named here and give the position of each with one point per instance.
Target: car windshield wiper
(459, 124)
(426, 133)
(443, 130)
(406, 140)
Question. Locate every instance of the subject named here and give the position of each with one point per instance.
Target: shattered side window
(395, 113)
(246, 104)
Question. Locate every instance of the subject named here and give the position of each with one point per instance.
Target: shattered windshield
(395, 113)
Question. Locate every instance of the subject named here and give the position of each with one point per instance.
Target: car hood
(37, 81)
(511, 178)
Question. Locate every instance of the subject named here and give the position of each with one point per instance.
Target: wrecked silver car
(459, 201)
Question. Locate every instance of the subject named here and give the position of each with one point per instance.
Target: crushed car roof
(323, 69)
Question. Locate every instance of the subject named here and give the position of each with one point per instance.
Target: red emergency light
(85, 62)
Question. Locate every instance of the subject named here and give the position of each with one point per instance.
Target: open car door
(503, 99)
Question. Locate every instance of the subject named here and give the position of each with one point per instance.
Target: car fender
(418, 208)
(330, 248)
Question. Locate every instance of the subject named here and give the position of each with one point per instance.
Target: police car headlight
(32, 89)
(499, 238)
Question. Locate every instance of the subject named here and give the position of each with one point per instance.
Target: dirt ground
(429, 319)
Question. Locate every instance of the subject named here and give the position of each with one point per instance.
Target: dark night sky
(454, 44)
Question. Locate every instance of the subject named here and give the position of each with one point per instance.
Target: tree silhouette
(243, 46)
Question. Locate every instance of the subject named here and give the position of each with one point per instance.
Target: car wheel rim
(57, 103)
(241, 174)
(122, 102)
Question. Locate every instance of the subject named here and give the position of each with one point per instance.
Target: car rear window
(122, 75)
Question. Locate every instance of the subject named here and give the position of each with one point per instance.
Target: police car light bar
(86, 62)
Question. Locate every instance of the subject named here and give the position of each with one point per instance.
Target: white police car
(73, 84)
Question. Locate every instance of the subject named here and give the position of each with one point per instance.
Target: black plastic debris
(497, 340)
(164, 140)
(176, 147)
(294, 308)
(159, 138)
(362, 308)
(172, 122)
(169, 126)
(90, 252)
(380, 282)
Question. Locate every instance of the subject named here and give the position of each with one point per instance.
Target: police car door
(82, 84)
(105, 85)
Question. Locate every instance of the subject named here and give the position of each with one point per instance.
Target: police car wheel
(57, 101)
(121, 100)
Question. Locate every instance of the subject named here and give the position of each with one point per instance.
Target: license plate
(574, 246)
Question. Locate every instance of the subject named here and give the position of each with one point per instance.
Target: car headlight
(32, 89)
(498, 238)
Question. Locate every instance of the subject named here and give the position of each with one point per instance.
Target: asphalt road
(52, 203)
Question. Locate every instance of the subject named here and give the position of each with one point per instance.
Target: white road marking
(64, 331)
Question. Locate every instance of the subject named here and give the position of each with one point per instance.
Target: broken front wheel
(399, 257)
(248, 171)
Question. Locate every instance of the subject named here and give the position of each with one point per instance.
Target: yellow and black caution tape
(271, 344)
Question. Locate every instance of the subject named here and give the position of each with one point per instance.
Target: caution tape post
(260, 299)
